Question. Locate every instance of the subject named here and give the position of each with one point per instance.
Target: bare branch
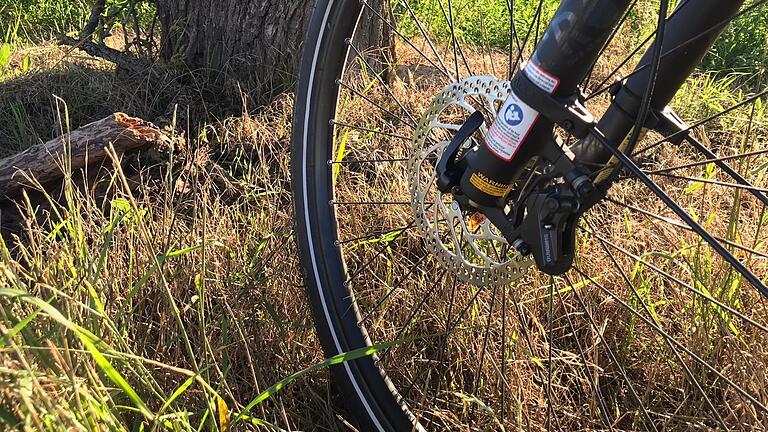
(122, 59)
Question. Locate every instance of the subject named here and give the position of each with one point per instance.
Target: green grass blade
(88, 339)
(5, 55)
(176, 394)
(482, 405)
(335, 360)
(6, 339)
(8, 419)
(115, 376)
(259, 422)
(340, 155)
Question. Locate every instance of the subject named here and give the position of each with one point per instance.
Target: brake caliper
(540, 216)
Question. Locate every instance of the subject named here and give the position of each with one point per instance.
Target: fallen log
(84, 146)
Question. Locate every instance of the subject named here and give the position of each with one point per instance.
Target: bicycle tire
(371, 397)
(373, 400)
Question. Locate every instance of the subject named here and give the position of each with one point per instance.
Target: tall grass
(152, 305)
(8, 40)
(169, 297)
(484, 23)
(742, 48)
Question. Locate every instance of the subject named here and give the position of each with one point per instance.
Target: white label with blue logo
(516, 119)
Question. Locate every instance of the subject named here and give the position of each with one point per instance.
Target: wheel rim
(562, 353)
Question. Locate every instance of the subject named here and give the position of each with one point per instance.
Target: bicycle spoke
(385, 203)
(629, 164)
(373, 235)
(629, 56)
(424, 34)
(549, 352)
(449, 21)
(604, 413)
(721, 163)
(688, 129)
(528, 33)
(450, 331)
(704, 150)
(373, 131)
(523, 326)
(712, 157)
(714, 182)
(708, 161)
(397, 286)
(394, 29)
(677, 224)
(674, 50)
(413, 381)
(611, 354)
(444, 345)
(409, 122)
(607, 43)
(670, 277)
(503, 350)
(677, 344)
(429, 292)
(514, 39)
(485, 46)
(382, 83)
(667, 338)
(378, 254)
(486, 336)
(372, 161)
(655, 63)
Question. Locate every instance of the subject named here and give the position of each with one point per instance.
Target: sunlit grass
(173, 301)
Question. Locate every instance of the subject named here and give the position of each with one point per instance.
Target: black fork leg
(561, 61)
(693, 29)
(690, 32)
(574, 38)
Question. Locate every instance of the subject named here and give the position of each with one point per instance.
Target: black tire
(371, 397)
(368, 393)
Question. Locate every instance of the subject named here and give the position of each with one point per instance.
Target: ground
(174, 295)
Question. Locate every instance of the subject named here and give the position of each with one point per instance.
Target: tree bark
(87, 145)
(375, 39)
(255, 43)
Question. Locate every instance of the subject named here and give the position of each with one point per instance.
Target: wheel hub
(464, 241)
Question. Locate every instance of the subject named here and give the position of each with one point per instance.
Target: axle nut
(552, 204)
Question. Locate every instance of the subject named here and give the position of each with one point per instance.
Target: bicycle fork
(546, 93)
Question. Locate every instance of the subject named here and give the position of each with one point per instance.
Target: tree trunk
(253, 43)
(375, 39)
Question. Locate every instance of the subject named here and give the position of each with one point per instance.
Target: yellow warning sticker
(489, 186)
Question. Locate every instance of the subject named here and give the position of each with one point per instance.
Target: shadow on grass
(27, 103)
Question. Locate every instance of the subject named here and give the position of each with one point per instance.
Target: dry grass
(183, 275)
(91, 87)
(441, 375)
(191, 272)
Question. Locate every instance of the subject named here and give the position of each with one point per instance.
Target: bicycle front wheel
(651, 328)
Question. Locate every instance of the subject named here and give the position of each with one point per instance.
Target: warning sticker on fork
(513, 123)
(547, 82)
(516, 119)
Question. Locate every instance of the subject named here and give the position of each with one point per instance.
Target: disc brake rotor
(466, 243)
